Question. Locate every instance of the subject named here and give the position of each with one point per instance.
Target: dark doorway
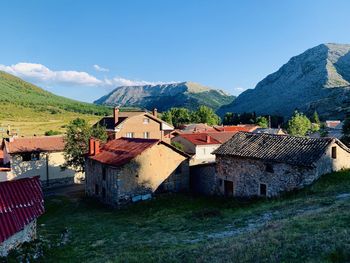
(228, 188)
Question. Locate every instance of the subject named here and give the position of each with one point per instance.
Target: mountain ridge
(165, 96)
(318, 79)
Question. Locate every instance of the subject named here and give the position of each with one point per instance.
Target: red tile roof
(21, 201)
(32, 144)
(223, 136)
(242, 128)
(199, 138)
(121, 151)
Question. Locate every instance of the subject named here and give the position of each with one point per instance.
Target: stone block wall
(203, 179)
(247, 175)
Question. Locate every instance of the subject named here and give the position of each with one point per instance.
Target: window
(263, 190)
(34, 156)
(146, 135)
(104, 173)
(103, 192)
(269, 168)
(96, 189)
(334, 152)
(129, 135)
(145, 121)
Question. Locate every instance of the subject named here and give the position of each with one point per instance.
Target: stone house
(21, 203)
(126, 170)
(37, 156)
(266, 165)
(136, 124)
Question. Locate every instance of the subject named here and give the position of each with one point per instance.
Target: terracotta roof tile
(21, 201)
(199, 138)
(40, 144)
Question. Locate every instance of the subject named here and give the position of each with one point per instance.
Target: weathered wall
(247, 174)
(22, 169)
(26, 235)
(136, 125)
(153, 170)
(203, 179)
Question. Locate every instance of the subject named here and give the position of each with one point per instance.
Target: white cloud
(42, 75)
(100, 69)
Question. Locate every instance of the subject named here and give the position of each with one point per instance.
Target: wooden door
(228, 188)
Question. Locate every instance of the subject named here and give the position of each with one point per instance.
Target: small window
(334, 152)
(96, 189)
(220, 182)
(145, 121)
(129, 135)
(146, 135)
(26, 157)
(103, 192)
(35, 156)
(269, 168)
(104, 173)
(263, 190)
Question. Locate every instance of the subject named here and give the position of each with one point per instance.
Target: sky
(84, 49)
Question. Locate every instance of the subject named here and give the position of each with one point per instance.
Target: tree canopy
(77, 142)
(262, 122)
(299, 124)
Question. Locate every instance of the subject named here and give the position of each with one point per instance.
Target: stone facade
(203, 179)
(48, 166)
(158, 169)
(247, 177)
(26, 235)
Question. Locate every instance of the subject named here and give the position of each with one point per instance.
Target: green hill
(32, 110)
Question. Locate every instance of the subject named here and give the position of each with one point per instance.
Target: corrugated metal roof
(21, 201)
(35, 144)
(121, 151)
(277, 148)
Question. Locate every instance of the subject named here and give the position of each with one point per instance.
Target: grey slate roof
(277, 148)
(268, 130)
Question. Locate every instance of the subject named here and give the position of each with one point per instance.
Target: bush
(52, 132)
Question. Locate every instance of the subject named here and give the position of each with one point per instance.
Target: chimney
(97, 147)
(91, 146)
(155, 112)
(208, 139)
(116, 115)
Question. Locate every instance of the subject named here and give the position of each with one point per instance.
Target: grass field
(312, 225)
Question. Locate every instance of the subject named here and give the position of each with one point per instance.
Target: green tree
(77, 142)
(298, 125)
(315, 119)
(180, 116)
(346, 132)
(206, 115)
(52, 132)
(262, 122)
(167, 117)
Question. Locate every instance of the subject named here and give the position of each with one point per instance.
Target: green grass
(32, 110)
(312, 225)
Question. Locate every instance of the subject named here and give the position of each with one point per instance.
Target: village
(144, 156)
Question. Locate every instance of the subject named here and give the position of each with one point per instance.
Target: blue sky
(224, 44)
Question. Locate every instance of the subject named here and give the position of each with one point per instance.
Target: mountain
(15, 91)
(317, 79)
(163, 97)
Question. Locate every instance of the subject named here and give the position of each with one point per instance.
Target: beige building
(130, 169)
(266, 165)
(37, 156)
(136, 124)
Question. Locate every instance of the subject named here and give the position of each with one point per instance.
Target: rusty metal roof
(121, 151)
(21, 201)
(35, 144)
(277, 148)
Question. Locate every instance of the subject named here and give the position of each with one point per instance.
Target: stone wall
(158, 169)
(26, 235)
(203, 179)
(248, 174)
